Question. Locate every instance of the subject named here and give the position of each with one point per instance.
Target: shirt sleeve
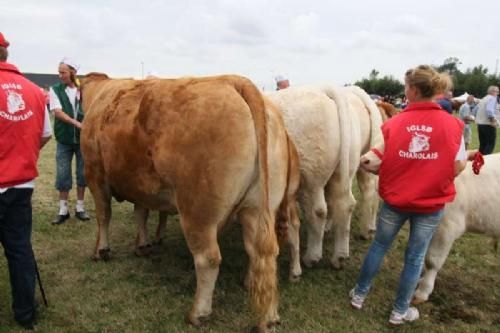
(490, 107)
(462, 112)
(462, 154)
(47, 128)
(54, 100)
(474, 110)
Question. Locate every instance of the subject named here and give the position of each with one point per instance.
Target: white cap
(280, 78)
(70, 62)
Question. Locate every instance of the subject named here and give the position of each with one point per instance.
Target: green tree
(450, 66)
(387, 85)
(476, 81)
(373, 74)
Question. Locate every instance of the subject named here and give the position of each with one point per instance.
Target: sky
(308, 42)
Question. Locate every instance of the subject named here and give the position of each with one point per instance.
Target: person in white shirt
(486, 121)
(65, 102)
(466, 114)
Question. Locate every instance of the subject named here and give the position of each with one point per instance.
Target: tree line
(475, 80)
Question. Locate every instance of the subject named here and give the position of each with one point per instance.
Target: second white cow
(475, 209)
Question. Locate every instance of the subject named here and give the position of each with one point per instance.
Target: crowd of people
(24, 113)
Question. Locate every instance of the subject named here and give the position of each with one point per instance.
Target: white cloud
(307, 41)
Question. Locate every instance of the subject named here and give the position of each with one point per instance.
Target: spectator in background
(404, 102)
(444, 101)
(281, 82)
(466, 114)
(24, 130)
(66, 104)
(486, 122)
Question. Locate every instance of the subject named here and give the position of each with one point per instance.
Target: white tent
(461, 98)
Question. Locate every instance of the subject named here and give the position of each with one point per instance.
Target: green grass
(130, 294)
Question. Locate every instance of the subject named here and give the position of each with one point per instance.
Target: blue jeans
(15, 236)
(64, 157)
(390, 221)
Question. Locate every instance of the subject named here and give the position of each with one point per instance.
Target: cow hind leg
(368, 204)
(102, 200)
(142, 247)
(315, 211)
(438, 251)
(293, 238)
(202, 242)
(162, 226)
(341, 204)
(261, 246)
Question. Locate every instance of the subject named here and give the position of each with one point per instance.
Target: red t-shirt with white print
(418, 165)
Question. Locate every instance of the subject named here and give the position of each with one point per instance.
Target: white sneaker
(356, 300)
(399, 319)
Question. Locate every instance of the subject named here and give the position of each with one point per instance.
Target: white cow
(326, 125)
(370, 121)
(475, 209)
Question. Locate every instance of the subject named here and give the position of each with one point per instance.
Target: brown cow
(203, 147)
(387, 110)
(456, 104)
(142, 246)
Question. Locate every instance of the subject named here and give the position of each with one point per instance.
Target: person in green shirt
(65, 103)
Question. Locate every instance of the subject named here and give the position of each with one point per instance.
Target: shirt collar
(418, 106)
(5, 66)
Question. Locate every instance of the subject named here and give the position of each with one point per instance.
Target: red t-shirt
(418, 165)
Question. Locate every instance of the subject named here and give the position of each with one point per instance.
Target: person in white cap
(281, 82)
(66, 104)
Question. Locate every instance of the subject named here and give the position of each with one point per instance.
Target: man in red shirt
(24, 130)
(424, 151)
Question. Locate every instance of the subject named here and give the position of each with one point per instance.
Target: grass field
(130, 294)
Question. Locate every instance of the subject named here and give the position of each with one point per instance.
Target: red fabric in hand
(477, 163)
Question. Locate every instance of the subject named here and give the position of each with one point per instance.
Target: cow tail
(376, 138)
(345, 129)
(263, 284)
(286, 216)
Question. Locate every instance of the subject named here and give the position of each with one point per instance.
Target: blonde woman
(422, 140)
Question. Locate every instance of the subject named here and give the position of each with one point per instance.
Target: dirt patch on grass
(466, 298)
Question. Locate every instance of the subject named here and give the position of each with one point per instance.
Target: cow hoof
(338, 263)
(105, 254)
(143, 250)
(102, 254)
(269, 328)
(365, 237)
(197, 321)
(418, 300)
(294, 278)
(310, 262)
(158, 242)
